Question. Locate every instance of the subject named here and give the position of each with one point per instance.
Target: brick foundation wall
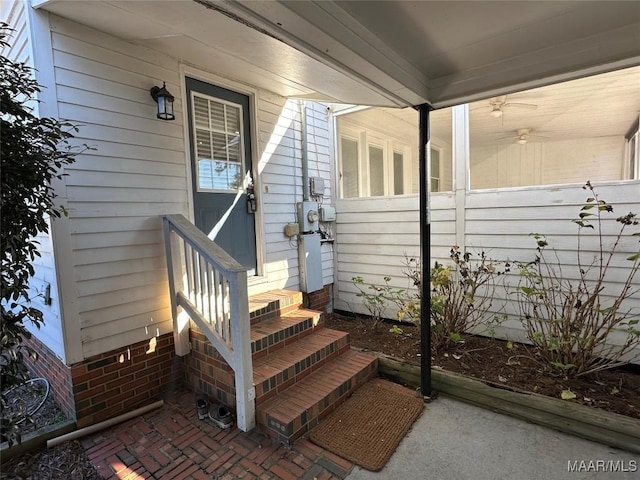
(49, 366)
(320, 300)
(207, 373)
(116, 382)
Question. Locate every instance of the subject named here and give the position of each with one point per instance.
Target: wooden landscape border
(36, 439)
(590, 423)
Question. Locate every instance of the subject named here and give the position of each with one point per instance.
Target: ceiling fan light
(522, 140)
(496, 112)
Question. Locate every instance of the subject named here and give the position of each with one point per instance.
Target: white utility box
(310, 259)
(327, 214)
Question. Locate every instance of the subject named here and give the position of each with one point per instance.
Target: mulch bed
(67, 461)
(513, 365)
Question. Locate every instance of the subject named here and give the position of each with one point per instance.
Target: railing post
(183, 242)
(174, 270)
(241, 346)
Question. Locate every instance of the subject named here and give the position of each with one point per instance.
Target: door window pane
(376, 171)
(398, 173)
(349, 153)
(218, 144)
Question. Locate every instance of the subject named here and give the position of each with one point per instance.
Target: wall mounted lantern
(165, 102)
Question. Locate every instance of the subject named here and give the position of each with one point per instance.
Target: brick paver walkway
(171, 443)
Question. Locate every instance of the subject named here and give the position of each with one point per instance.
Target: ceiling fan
(499, 104)
(523, 135)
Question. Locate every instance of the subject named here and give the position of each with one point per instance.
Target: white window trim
(365, 140)
(243, 161)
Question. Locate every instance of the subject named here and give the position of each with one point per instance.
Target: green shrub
(570, 322)
(33, 152)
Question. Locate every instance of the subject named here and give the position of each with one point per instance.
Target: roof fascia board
(569, 61)
(42, 3)
(322, 30)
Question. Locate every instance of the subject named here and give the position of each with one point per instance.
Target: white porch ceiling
(390, 53)
(605, 105)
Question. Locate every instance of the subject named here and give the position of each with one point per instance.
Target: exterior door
(220, 140)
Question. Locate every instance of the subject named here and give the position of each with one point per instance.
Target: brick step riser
(277, 340)
(288, 433)
(260, 310)
(277, 384)
(273, 311)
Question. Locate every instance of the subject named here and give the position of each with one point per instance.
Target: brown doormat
(369, 426)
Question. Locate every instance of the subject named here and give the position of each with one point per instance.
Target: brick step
(270, 335)
(275, 372)
(272, 304)
(299, 408)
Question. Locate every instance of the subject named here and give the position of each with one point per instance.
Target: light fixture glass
(165, 102)
(496, 112)
(522, 140)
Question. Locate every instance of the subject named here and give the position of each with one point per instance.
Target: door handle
(252, 204)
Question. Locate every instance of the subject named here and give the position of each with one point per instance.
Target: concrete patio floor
(456, 441)
(450, 441)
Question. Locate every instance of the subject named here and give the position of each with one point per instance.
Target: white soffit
(449, 52)
(387, 53)
(203, 37)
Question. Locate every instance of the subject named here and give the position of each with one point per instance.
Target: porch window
(373, 160)
(633, 153)
(376, 171)
(435, 169)
(349, 154)
(398, 173)
(218, 144)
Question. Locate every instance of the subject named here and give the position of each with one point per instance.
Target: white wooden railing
(211, 288)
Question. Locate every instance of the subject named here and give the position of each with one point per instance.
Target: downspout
(306, 196)
(425, 255)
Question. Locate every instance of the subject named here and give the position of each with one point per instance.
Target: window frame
(439, 149)
(365, 140)
(352, 136)
(632, 151)
(241, 143)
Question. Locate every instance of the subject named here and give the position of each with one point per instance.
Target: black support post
(425, 255)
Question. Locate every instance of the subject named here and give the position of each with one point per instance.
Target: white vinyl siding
(280, 170)
(375, 234)
(15, 15)
(50, 333)
(137, 171)
(117, 191)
